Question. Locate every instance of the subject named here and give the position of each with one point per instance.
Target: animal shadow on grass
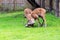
(34, 26)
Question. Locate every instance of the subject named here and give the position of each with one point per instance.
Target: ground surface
(12, 28)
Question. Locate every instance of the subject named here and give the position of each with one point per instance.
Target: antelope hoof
(44, 25)
(26, 25)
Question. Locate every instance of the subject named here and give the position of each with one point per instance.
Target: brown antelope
(39, 12)
(27, 13)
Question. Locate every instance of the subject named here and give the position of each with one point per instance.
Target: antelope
(34, 15)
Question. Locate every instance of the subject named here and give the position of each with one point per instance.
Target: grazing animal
(39, 12)
(27, 13)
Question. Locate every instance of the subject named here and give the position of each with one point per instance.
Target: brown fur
(39, 12)
(27, 13)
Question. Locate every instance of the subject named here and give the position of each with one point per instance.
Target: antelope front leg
(30, 23)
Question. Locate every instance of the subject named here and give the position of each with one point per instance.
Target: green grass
(12, 27)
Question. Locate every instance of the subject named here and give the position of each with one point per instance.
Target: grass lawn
(12, 28)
